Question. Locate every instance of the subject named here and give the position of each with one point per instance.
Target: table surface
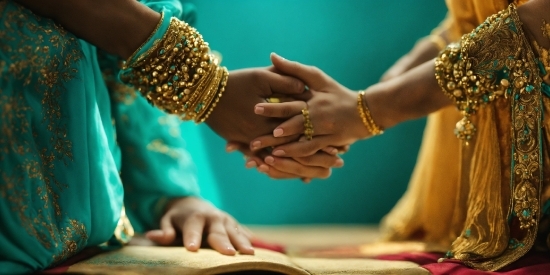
(318, 235)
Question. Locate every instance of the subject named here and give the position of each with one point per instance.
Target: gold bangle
(438, 41)
(178, 73)
(366, 116)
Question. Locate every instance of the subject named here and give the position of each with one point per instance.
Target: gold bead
(457, 93)
(155, 74)
(504, 82)
(451, 85)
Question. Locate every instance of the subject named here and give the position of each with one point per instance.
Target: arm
(118, 27)
(424, 50)
(468, 75)
(333, 108)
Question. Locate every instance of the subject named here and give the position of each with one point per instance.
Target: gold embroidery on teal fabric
(40, 57)
(498, 61)
(159, 146)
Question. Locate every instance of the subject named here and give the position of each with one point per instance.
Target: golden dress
(483, 203)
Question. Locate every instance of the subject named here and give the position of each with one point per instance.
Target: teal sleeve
(156, 167)
(184, 11)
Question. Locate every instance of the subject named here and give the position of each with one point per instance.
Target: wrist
(383, 109)
(369, 123)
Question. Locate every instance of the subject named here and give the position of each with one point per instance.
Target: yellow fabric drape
(459, 196)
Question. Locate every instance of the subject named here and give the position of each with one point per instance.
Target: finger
(253, 161)
(276, 174)
(218, 239)
(283, 84)
(269, 141)
(312, 76)
(291, 166)
(239, 240)
(192, 231)
(232, 146)
(321, 159)
(343, 149)
(166, 235)
(293, 126)
(283, 110)
(302, 148)
(330, 150)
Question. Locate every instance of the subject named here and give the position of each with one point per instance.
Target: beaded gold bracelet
(366, 116)
(178, 73)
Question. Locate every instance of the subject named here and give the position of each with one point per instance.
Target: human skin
(120, 27)
(413, 94)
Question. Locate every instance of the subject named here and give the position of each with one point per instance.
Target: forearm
(412, 95)
(118, 27)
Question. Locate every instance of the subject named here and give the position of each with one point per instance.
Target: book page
(134, 260)
(320, 266)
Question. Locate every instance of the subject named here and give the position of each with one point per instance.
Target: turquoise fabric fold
(73, 149)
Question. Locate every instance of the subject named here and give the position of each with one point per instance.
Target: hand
(234, 118)
(332, 108)
(192, 218)
(316, 166)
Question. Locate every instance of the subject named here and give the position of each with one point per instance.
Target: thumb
(166, 235)
(312, 76)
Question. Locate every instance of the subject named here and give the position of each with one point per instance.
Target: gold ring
(308, 126)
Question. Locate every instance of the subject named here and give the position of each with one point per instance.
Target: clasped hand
(332, 111)
(234, 120)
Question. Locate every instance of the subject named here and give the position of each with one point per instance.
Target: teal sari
(76, 145)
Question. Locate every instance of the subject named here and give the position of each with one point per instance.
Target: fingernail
(306, 88)
(256, 144)
(231, 249)
(263, 168)
(192, 244)
(302, 138)
(258, 110)
(269, 160)
(333, 151)
(339, 163)
(278, 132)
(279, 153)
(230, 148)
(250, 164)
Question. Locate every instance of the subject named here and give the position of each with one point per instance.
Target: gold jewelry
(308, 126)
(178, 73)
(366, 116)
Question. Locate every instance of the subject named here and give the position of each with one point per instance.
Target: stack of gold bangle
(178, 74)
(366, 116)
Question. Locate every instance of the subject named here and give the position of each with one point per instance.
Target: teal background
(354, 41)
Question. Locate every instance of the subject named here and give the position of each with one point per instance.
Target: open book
(177, 260)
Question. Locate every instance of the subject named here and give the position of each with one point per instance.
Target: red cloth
(533, 263)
